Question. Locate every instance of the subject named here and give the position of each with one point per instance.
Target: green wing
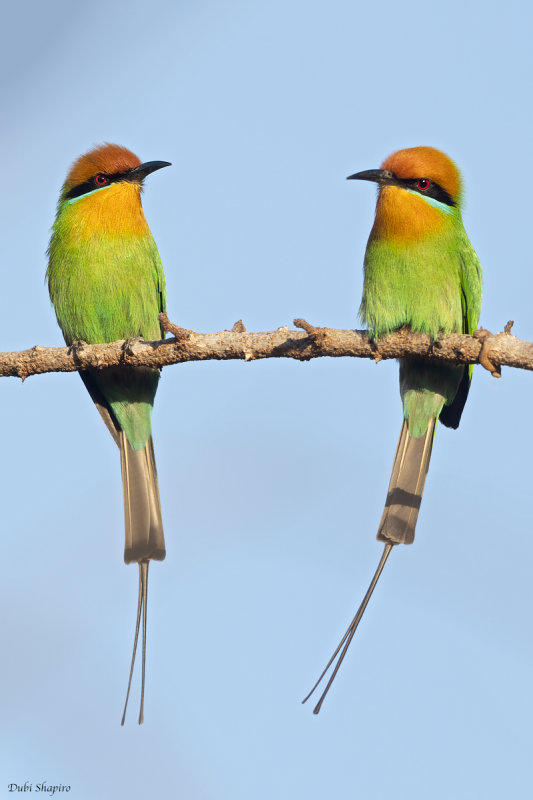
(471, 308)
(470, 286)
(159, 280)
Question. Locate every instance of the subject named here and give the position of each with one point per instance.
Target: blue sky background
(272, 474)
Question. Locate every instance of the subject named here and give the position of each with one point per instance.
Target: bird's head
(103, 188)
(419, 194)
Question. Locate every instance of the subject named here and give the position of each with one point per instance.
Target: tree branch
(302, 345)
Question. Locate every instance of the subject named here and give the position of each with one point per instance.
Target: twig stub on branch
(181, 334)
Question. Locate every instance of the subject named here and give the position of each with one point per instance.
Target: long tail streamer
(348, 636)
(141, 606)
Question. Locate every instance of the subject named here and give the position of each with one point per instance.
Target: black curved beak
(382, 176)
(139, 173)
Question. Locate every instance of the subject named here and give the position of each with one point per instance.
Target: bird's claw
(76, 348)
(434, 344)
(376, 355)
(131, 345)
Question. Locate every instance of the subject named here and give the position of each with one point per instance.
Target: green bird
(421, 272)
(106, 283)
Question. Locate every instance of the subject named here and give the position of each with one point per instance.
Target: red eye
(423, 184)
(101, 180)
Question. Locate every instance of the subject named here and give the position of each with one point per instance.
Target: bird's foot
(434, 344)
(376, 355)
(76, 348)
(131, 345)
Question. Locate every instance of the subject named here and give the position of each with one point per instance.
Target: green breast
(417, 285)
(105, 289)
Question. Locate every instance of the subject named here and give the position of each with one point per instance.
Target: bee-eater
(421, 272)
(107, 283)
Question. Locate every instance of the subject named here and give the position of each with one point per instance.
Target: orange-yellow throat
(115, 210)
(404, 218)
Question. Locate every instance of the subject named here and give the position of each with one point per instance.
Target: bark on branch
(491, 351)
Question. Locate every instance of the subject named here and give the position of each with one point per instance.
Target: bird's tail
(144, 533)
(409, 472)
(142, 508)
(397, 525)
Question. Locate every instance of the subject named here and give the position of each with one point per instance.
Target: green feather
(104, 289)
(432, 286)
